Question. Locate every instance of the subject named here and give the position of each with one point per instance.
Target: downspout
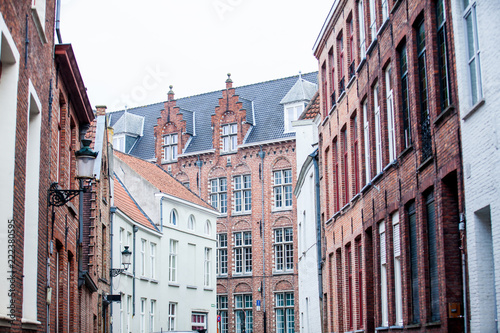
(112, 211)
(318, 231)
(461, 227)
(263, 233)
(133, 281)
(199, 163)
(80, 236)
(161, 212)
(51, 99)
(58, 21)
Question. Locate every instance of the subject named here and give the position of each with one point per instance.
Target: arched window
(191, 222)
(208, 227)
(173, 217)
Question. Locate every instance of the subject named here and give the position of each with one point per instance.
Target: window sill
(325, 120)
(382, 28)
(242, 275)
(341, 97)
(377, 177)
(222, 276)
(168, 162)
(359, 331)
(6, 321)
(355, 198)
(395, 5)
(406, 151)
(433, 324)
(174, 284)
(241, 213)
(411, 326)
(351, 81)
(282, 272)
(397, 327)
(333, 108)
(443, 115)
(473, 109)
(361, 64)
(366, 188)
(154, 281)
(191, 287)
(391, 164)
(30, 324)
(208, 289)
(278, 210)
(425, 163)
(382, 328)
(346, 207)
(371, 47)
(233, 152)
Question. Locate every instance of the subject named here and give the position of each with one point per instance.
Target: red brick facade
(261, 221)
(365, 186)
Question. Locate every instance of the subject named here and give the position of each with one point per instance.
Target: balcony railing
(426, 138)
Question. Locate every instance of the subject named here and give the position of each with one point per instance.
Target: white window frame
(362, 31)
(285, 312)
(172, 260)
(398, 289)
(378, 129)
(473, 60)
(170, 147)
(200, 315)
(152, 256)
(152, 310)
(38, 10)
(172, 315)
(244, 302)
(208, 227)
(222, 308)
(119, 142)
(222, 259)
(366, 139)
(391, 127)
(243, 256)
(218, 194)
(129, 313)
(283, 249)
(191, 222)
(229, 137)
(174, 217)
(143, 316)
(282, 189)
(242, 193)
(122, 298)
(291, 113)
(373, 20)
(384, 305)
(385, 10)
(143, 257)
(207, 267)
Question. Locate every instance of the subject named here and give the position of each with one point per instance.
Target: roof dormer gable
(296, 100)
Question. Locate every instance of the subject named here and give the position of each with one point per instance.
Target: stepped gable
(161, 179)
(127, 204)
(260, 100)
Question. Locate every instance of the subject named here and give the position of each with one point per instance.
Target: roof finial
(229, 78)
(300, 75)
(170, 93)
(229, 82)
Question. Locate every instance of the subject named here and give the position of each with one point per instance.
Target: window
(152, 310)
(352, 70)
(383, 276)
(38, 8)
(122, 297)
(173, 217)
(362, 34)
(198, 321)
(325, 89)
(385, 10)
(129, 312)
(242, 193)
(143, 315)
(172, 312)
(121, 238)
(207, 267)
(172, 263)
(283, 249)
(414, 305)
(473, 51)
(396, 239)
(191, 222)
(432, 240)
(442, 49)
(143, 257)
(243, 252)
(359, 256)
(218, 194)
(243, 313)
(340, 48)
(424, 103)
(336, 169)
(366, 139)
(355, 155)
(333, 100)
(229, 137)
(345, 160)
(208, 227)
(170, 147)
(119, 142)
(152, 256)
(378, 130)
(292, 113)
(285, 316)
(283, 188)
(373, 20)
(405, 96)
(221, 254)
(390, 114)
(350, 308)
(222, 310)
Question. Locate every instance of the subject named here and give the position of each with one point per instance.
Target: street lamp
(126, 254)
(85, 159)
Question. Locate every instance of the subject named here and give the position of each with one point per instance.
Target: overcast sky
(130, 51)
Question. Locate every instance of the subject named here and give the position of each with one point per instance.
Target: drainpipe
(133, 281)
(261, 155)
(80, 236)
(58, 21)
(461, 228)
(199, 163)
(318, 231)
(161, 212)
(112, 211)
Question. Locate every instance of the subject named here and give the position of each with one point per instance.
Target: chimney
(171, 93)
(100, 110)
(229, 82)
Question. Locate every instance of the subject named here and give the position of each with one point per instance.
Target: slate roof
(129, 123)
(161, 179)
(312, 109)
(267, 115)
(125, 203)
(302, 90)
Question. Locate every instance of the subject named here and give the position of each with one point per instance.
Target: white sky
(130, 51)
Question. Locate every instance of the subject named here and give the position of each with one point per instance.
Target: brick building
(476, 47)
(236, 149)
(45, 113)
(391, 167)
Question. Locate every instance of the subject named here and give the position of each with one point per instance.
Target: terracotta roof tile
(125, 203)
(312, 109)
(161, 179)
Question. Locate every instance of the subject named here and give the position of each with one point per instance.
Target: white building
(309, 223)
(171, 283)
(476, 24)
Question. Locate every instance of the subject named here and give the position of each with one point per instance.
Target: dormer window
(170, 147)
(229, 137)
(119, 143)
(292, 113)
